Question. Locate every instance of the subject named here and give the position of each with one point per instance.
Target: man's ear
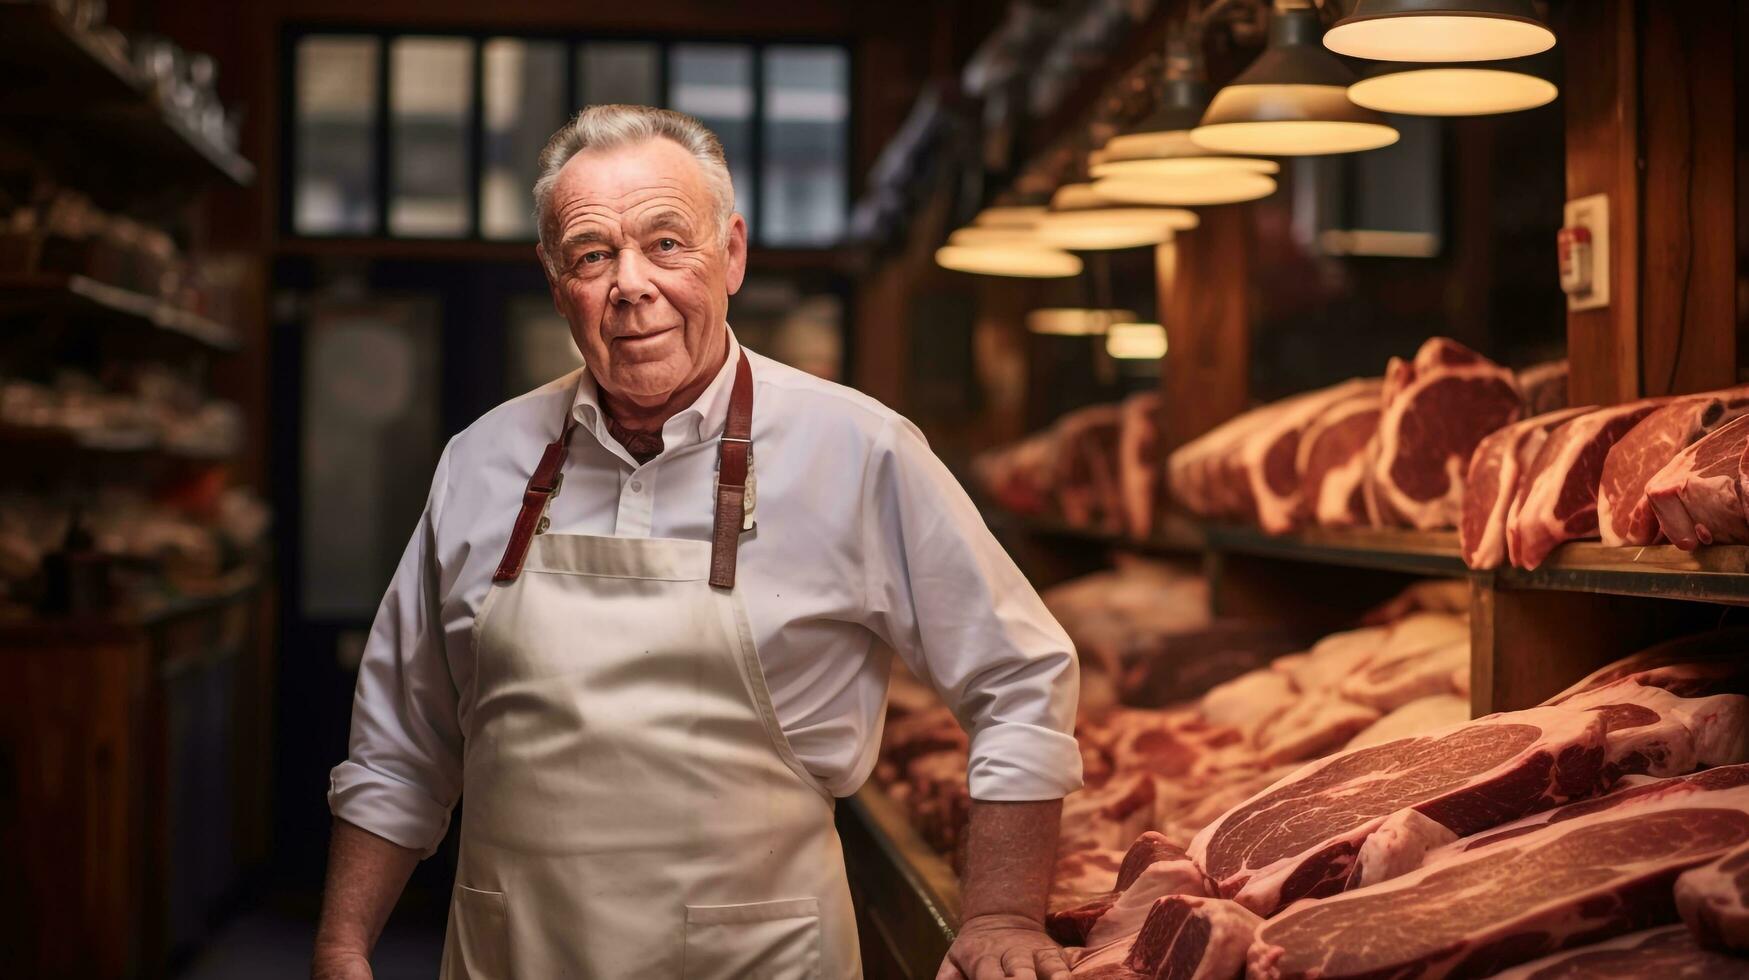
(737, 249)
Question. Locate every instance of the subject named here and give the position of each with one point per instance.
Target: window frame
(382, 167)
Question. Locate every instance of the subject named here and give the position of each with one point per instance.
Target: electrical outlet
(1584, 253)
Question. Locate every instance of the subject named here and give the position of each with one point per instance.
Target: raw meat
(1199, 474)
(1332, 461)
(1495, 473)
(1450, 397)
(1418, 717)
(1698, 495)
(1250, 701)
(1316, 724)
(1557, 495)
(1655, 732)
(1566, 885)
(1191, 938)
(1299, 837)
(1714, 900)
(1416, 660)
(1665, 953)
(1268, 454)
(1166, 669)
(1163, 878)
(1411, 844)
(1109, 816)
(1086, 479)
(1544, 386)
(1334, 658)
(1138, 461)
(1702, 663)
(1624, 514)
(1153, 866)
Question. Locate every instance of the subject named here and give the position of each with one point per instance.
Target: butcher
(645, 624)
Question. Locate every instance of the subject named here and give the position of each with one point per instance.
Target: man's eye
(666, 244)
(590, 258)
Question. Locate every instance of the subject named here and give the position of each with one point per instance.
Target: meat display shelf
(41, 52)
(1719, 573)
(906, 895)
(77, 295)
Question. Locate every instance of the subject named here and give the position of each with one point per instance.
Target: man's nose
(632, 277)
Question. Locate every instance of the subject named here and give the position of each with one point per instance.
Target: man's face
(640, 268)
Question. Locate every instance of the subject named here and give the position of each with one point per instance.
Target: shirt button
(637, 486)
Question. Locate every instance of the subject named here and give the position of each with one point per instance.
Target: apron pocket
(763, 940)
(481, 921)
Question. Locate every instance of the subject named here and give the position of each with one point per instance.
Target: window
(436, 136)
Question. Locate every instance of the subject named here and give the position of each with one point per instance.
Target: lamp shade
(1292, 101)
(1069, 321)
(1082, 219)
(1440, 30)
(1136, 341)
(1013, 216)
(1158, 162)
(1460, 89)
(1024, 261)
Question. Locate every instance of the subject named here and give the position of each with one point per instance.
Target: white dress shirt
(862, 532)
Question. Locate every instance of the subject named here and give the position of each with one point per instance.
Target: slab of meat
(1656, 732)
(1495, 473)
(1428, 430)
(1139, 473)
(1417, 659)
(1665, 953)
(1714, 900)
(1544, 386)
(1299, 837)
(1168, 669)
(1268, 454)
(1702, 663)
(1090, 884)
(1250, 701)
(1316, 724)
(1557, 495)
(1086, 481)
(1163, 878)
(1419, 717)
(1109, 816)
(1332, 461)
(1624, 514)
(1202, 472)
(1698, 495)
(1405, 843)
(1191, 938)
(1569, 884)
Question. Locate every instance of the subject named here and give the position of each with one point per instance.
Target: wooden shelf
(1385, 549)
(76, 295)
(1719, 573)
(907, 895)
(81, 98)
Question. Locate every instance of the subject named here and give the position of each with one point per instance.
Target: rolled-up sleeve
(402, 774)
(953, 605)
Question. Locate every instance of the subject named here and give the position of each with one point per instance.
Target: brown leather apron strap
(734, 463)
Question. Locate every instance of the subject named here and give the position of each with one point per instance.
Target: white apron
(631, 807)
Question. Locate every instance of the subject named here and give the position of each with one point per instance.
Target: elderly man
(635, 629)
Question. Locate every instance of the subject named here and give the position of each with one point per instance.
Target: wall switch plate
(1585, 270)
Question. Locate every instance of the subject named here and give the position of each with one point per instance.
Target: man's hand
(341, 967)
(992, 947)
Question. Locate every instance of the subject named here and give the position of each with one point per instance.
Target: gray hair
(601, 127)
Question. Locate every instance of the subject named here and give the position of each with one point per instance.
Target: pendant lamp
(1440, 30)
(1082, 219)
(1459, 89)
(1075, 321)
(1023, 261)
(1136, 341)
(1292, 101)
(1157, 163)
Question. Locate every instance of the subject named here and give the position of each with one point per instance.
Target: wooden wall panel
(1203, 282)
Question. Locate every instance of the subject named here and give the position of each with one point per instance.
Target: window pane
(807, 112)
(334, 190)
(430, 87)
(714, 82)
(618, 71)
(524, 93)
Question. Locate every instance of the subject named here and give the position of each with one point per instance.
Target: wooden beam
(1203, 287)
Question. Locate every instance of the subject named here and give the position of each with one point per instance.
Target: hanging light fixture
(1458, 89)
(1156, 163)
(1082, 219)
(1136, 341)
(1440, 30)
(1292, 101)
(1075, 321)
(1000, 241)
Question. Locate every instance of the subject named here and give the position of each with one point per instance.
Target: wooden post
(1651, 122)
(1202, 278)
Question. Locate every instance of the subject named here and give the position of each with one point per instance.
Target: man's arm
(365, 876)
(1010, 851)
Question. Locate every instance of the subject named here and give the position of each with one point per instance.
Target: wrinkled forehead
(620, 183)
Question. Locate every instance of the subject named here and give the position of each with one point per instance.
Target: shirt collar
(704, 417)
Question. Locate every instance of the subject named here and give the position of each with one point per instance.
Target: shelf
(83, 296)
(83, 101)
(1713, 574)
(907, 895)
(22, 443)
